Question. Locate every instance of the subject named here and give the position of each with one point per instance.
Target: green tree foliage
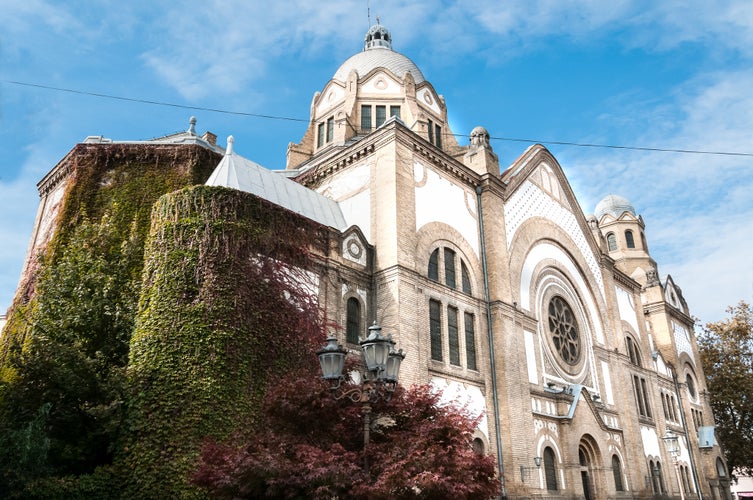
(311, 446)
(61, 411)
(65, 347)
(727, 356)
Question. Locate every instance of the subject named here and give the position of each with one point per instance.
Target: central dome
(378, 53)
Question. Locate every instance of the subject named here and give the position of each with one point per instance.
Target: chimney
(210, 138)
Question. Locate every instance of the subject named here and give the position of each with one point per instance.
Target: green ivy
(213, 327)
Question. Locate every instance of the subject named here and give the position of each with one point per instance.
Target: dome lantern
(377, 36)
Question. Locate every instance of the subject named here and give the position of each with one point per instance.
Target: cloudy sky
(645, 74)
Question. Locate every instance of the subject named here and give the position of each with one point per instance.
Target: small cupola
(377, 36)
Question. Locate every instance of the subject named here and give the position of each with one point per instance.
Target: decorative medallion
(428, 99)
(564, 331)
(380, 84)
(354, 249)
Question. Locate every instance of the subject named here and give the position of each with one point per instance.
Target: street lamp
(672, 443)
(376, 383)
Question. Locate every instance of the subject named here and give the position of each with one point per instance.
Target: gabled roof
(237, 172)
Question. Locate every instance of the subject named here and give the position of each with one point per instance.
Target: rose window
(564, 331)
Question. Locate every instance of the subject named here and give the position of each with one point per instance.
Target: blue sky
(630, 73)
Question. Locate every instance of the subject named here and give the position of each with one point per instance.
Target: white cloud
(697, 208)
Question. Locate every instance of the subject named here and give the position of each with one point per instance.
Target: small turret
(624, 238)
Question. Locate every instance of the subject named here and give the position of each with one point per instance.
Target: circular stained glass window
(564, 331)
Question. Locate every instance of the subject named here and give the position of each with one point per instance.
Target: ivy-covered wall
(65, 347)
(225, 308)
(150, 323)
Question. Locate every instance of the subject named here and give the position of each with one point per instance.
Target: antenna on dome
(368, 11)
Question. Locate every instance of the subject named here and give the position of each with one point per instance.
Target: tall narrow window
(330, 129)
(366, 118)
(549, 470)
(617, 473)
(435, 329)
(452, 336)
(353, 324)
(611, 242)
(438, 134)
(320, 135)
(470, 342)
(691, 386)
(449, 267)
(645, 397)
(466, 278)
(633, 353)
(434, 265)
(629, 239)
(431, 131)
(664, 406)
(381, 115)
(641, 396)
(395, 111)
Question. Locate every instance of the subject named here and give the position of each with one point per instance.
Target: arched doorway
(587, 457)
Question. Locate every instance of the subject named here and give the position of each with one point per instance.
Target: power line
(288, 118)
(156, 103)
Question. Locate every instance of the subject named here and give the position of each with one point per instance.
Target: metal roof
(237, 172)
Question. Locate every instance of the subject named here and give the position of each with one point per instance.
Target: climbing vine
(226, 305)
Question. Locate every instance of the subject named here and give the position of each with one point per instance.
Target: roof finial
(377, 19)
(229, 149)
(192, 125)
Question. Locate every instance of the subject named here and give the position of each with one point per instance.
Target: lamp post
(672, 443)
(376, 383)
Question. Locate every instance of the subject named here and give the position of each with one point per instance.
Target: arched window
(633, 351)
(550, 472)
(353, 323)
(478, 446)
(449, 267)
(691, 386)
(720, 468)
(629, 239)
(434, 265)
(611, 242)
(466, 278)
(617, 473)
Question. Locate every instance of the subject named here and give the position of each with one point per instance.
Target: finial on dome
(192, 125)
(230, 142)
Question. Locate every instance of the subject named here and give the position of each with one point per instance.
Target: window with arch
(478, 446)
(657, 481)
(629, 240)
(691, 386)
(685, 475)
(633, 352)
(564, 330)
(617, 473)
(550, 470)
(640, 388)
(353, 321)
(721, 470)
(449, 262)
(611, 242)
(433, 272)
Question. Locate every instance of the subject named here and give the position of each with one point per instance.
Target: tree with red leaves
(312, 447)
